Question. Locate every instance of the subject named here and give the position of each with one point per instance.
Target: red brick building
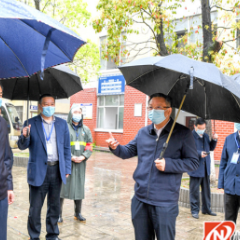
(130, 123)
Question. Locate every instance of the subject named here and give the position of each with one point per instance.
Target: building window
(110, 112)
(180, 35)
(109, 63)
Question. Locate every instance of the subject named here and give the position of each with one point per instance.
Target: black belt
(52, 163)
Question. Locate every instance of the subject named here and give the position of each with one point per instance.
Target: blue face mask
(200, 132)
(0, 102)
(237, 126)
(48, 111)
(156, 116)
(77, 117)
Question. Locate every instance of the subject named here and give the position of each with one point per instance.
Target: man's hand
(10, 197)
(26, 131)
(203, 154)
(215, 136)
(67, 175)
(160, 164)
(112, 143)
(80, 159)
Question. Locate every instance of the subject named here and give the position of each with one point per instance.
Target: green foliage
(124, 16)
(74, 14)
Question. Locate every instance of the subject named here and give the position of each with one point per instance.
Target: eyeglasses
(157, 108)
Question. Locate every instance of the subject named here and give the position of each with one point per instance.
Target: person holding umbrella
(229, 172)
(201, 175)
(6, 185)
(155, 203)
(81, 150)
(47, 138)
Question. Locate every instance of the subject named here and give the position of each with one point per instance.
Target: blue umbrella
(196, 87)
(31, 41)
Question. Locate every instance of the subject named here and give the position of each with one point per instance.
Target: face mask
(237, 126)
(0, 102)
(77, 117)
(156, 116)
(48, 111)
(200, 132)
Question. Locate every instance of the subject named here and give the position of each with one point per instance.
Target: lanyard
(237, 142)
(77, 133)
(48, 137)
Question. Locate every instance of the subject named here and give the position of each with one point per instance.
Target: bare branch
(216, 6)
(223, 27)
(155, 37)
(45, 5)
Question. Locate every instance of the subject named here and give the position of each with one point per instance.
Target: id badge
(77, 145)
(235, 158)
(49, 149)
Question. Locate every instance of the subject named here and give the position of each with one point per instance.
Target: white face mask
(77, 117)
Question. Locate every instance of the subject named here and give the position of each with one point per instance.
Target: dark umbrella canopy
(214, 95)
(59, 81)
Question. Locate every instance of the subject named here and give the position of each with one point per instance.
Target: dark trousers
(3, 218)
(150, 221)
(195, 183)
(231, 207)
(50, 187)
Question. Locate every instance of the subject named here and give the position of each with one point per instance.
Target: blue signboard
(111, 85)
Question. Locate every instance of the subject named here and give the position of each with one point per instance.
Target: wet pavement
(108, 193)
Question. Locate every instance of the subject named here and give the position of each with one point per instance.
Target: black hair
(199, 121)
(168, 99)
(45, 95)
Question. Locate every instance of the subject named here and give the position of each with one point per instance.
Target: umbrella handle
(165, 145)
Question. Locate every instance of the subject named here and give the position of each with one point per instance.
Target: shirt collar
(160, 129)
(54, 119)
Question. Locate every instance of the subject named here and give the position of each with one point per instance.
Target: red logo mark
(218, 230)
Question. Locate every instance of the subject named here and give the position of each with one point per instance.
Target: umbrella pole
(28, 106)
(165, 145)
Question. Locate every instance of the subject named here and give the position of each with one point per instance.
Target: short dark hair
(199, 121)
(45, 95)
(168, 99)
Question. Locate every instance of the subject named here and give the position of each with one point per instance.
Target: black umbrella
(60, 82)
(212, 95)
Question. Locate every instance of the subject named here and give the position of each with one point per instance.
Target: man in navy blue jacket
(6, 185)
(201, 175)
(229, 175)
(49, 164)
(155, 204)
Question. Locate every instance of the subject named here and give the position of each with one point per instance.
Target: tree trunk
(37, 4)
(206, 57)
(160, 41)
(207, 30)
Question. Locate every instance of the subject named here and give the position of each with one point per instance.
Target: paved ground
(109, 188)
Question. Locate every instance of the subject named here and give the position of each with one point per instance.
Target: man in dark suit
(6, 186)
(155, 204)
(229, 175)
(201, 176)
(47, 138)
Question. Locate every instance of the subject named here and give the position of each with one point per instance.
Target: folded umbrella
(196, 87)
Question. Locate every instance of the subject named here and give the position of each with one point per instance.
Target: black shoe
(79, 217)
(60, 219)
(211, 213)
(195, 215)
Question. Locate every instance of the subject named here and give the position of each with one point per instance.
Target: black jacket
(5, 161)
(153, 186)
